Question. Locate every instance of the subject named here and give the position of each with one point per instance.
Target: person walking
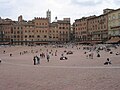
(56, 53)
(4, 52)
(48, 58)
(38, 60)
(0, 61)
(34, 60)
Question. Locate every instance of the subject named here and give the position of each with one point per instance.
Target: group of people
(36, 59)
(107, 62)
(90, 55)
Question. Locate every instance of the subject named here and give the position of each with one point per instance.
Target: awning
(114, 40)
(41, 42)
(95, 42)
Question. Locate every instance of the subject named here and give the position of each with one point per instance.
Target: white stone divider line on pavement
(69, 67)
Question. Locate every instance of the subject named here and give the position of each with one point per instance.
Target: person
(98, 55)
(92, 55)
(107, 62)
(38, 60)
(20, 53)
(0, 60)
(48, 57)
(117, 53)
(62, 54)
(10, 55)
(34, 60)
(4, 51)
(55, 53)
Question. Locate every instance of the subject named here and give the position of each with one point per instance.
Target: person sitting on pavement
(107, 62)
(117, 53)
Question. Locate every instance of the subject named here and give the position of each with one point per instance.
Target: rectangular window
(113, 17)
(45, 36)
(119, 15)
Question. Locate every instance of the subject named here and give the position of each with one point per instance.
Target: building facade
(98, 28)
(5, 29)
(114, 23)
(91, 29)
(81, 29)
(28, 33)
(53, 33)
(60, 30)
(64, 29)
(40, 30)
(37, 31)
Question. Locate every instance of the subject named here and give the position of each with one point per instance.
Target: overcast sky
(74, 9)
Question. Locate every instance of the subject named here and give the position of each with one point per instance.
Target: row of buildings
(104, 28)
(37, 31)
(92, 29)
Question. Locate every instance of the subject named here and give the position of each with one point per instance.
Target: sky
(74, 9)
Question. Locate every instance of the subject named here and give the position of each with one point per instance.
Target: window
(119, 23)
(104, 26)
(18, 36)
(11, 30)
(45, 36)
(50, 37)
(36, 23)
(113, 17)
(38, 36)
(101, 27)
(119, 15)
(18, 32)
